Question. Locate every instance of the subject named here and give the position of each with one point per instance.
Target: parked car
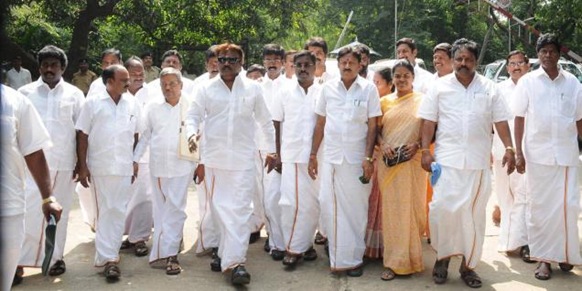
(501, 74)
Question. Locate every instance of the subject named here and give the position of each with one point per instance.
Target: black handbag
(400, 157)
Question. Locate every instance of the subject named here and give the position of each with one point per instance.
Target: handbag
(400, 157)
(183, 147)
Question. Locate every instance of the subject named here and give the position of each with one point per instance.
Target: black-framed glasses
(230, 60)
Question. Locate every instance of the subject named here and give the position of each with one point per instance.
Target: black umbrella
(49, 244)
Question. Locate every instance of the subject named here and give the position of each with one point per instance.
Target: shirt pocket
(358, 109)
(65, 113)
(567, 106)
(481, 103)
(247, 105)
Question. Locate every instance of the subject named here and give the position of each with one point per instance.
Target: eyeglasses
(304, 65)
(272, 60)
(230, 60)
(516, 64)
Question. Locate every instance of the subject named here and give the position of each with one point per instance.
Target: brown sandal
(141, 249)
(173, 266)
(543, 274)
(388, 275)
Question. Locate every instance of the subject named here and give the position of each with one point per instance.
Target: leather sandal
(440, 271)
(471, 279)
(524, 254)
(111, 272)
(388, 275)
(565, 267)
(173, 266)
(58, 268)
(542, 274)
(141, 249)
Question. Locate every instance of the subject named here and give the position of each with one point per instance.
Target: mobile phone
(364, 180)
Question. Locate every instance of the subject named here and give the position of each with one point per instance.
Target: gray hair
(171, 71)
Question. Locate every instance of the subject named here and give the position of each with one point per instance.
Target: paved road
(498, 271)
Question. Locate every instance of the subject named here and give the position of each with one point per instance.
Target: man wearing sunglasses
(230, 107)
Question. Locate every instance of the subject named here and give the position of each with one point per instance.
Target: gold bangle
(511, 149)
(370, 159)
(50, 199)
(424, 150)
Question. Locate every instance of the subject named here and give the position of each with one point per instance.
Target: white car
(501, 71)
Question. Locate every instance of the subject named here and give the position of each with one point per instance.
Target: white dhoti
(511, 195)
(208, 231)
(457, 213)
(139, 217)
(344, 213)
(272, 210)
(552, 215)
(232, 207)
(258, 217)
(299, 207)
(11, 237)
(88, 203)
(170, 196)
(32, 254)
(113, 194)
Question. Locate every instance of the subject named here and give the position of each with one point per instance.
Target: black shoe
(320, 239)
(277, 255)
(18, 276)
(310, 255)
(254, 237)
(355, 272)
(267, 247)
(215, 263)
(240, 276)
(291, 260)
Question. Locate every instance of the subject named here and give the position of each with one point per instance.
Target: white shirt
(59, 109)
(551, 109)
(347, 113)
(111, 130)
(22, 134)
(200, 80)
(97, 88)
(506, 89)
(144, 98)
(270, 92)
(295, 109)
(18, 79)
(162, 135)
(465, 118)
(230, 118)
(422, 79)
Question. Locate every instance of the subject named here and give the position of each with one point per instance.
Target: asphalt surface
(498, 271)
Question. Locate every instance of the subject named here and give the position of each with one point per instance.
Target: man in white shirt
(347, 114)
(208, 239)
(170, 174)
(173, 59)
(547, 104)
(139, 218)
(111, 56)
(23, 137)
(294, 115)
(288, 67)
(108, 128)
(17, 76)
(318, 46)
(365, 52)
(511, 189)
(268, 191)
(230, 106)
(406, 49)
(58, 104)
(442, 60)
(465, 105)
(211, 66)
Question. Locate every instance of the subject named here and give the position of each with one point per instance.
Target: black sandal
(141, 249)
(565, 267)
(58, 268)
(524, 254)
(471, 279)
(111, 272)
(440, 271)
